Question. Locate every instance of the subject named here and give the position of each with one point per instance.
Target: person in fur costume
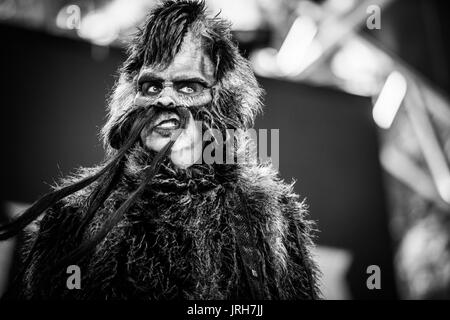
(154, 222)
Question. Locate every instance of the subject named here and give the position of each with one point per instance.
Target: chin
(155, 141)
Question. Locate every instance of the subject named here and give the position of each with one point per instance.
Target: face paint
(187, 81)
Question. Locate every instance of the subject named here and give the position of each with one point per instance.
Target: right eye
(151, 88)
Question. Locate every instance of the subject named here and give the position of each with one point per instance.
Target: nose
(166, 102)
(166, 99)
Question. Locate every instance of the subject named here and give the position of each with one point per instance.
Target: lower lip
(165, 131)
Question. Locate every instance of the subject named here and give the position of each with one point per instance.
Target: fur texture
(180, 241)
(207, 232)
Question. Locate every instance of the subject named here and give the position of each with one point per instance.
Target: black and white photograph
(224, 153)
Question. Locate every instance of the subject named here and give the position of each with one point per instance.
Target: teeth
(168, 124)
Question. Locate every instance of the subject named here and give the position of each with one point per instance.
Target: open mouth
(166, 122)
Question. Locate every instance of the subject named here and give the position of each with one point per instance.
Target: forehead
(190, 62)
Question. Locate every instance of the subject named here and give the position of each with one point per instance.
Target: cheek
(201, 99)
(190, 136)
(188, 148)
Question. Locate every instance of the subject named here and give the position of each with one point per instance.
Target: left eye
(187, 89)
(190, 88)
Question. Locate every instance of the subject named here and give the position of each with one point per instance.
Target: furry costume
(211, 231)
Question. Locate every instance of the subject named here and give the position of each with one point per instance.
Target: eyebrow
(191, 79)
(150, 76)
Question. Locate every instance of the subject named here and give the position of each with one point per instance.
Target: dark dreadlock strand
(48, 200)
(103, 190)
(106, 183)
(100, 194)
(51, 198)
(109, 173)
(115, 218)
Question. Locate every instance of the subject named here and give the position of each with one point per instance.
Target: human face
(186, 82)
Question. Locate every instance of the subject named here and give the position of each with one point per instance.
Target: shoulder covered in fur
(288, 230)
